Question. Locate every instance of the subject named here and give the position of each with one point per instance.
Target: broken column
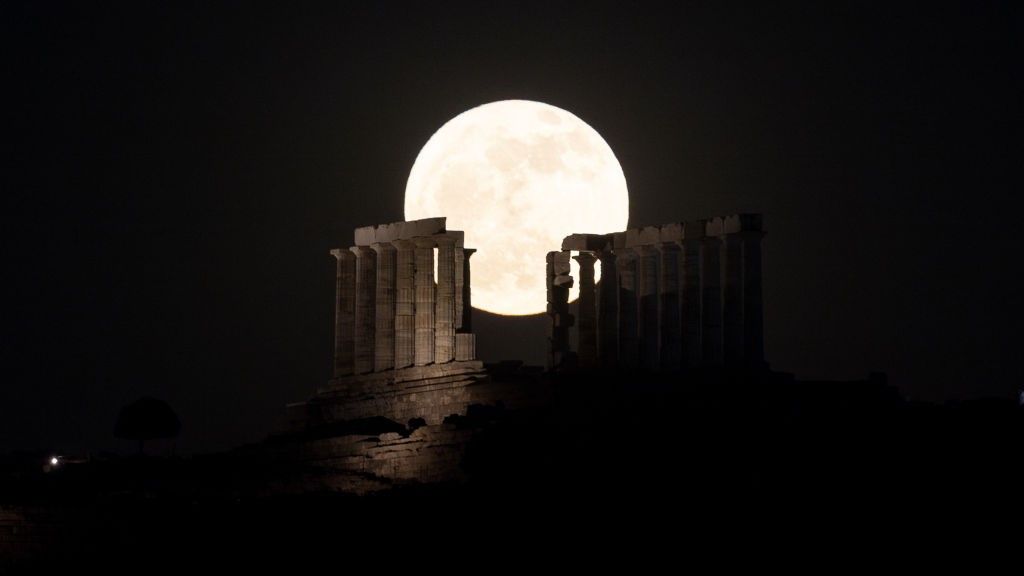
(444, 308)
(587, 350)
(425, 291)
(558, 283)
(384, 331)
(344, 312)
(365, 308)
(405, 303)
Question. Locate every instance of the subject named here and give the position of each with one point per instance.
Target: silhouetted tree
(147, 419)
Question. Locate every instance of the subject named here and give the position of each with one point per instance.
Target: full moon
(517, 176)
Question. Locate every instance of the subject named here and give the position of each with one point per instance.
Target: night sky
(176, 173)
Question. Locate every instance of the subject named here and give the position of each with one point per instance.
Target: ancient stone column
(753, 313)
(384, 333)
(732, 299)
(558, 283)
(405, 303)
(711, 300)
(365, 308)
(444, 309)
(608, 311)
(647, 288)
(344, 312)
(629, 343)
(690, 302)
(424, 301)
(668, 307)
(465, 340)
(587, 350)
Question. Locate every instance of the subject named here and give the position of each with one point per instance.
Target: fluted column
(587, 350)
(629, 344)
(344, 312)
(365, 308)
(732, 299)
(425, 291)
(444, 309)
(384, 332)
(608, 311)
(711, 300)
(671, 347)
(753, 313)
(405, 303)
(647, 288)
(465, 340)
(690, 303)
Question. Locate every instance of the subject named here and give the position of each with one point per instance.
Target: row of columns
(390, 311)
(663, 306)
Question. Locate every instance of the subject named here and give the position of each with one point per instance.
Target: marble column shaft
(465, 340)
(425, 296)
(384, 333)
(444, 309)
(647, 289)
(344, 313)
(711, 300)
(365, 308)
(693, 354)
(629, 344)
(558, 283)
(671, 345)
(732, 299)
(753, 310)
(608, 311)
(587, 349)
(405, 303)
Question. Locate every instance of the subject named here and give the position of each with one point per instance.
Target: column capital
(403, 244)
(585, 257)
(379, 247)
(426, 242)
(342, 253)
(362, 251)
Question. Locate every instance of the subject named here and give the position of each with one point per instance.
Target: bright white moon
(517, 176)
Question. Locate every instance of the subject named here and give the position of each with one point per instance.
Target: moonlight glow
(517, 176)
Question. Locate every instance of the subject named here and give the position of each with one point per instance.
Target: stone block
(714, 227)
(586, 242)
(642, 236)
(742, 223)
(672, 232)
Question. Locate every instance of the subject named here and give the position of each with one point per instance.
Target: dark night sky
(177, 173)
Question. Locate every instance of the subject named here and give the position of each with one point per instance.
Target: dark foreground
(650, 467)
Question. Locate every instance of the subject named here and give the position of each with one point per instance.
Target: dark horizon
(180, 172)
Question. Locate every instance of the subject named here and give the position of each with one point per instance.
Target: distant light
(54, 461)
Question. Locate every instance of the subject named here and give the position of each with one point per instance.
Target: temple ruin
(403, 344)
(672, 297)
(408, 396)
